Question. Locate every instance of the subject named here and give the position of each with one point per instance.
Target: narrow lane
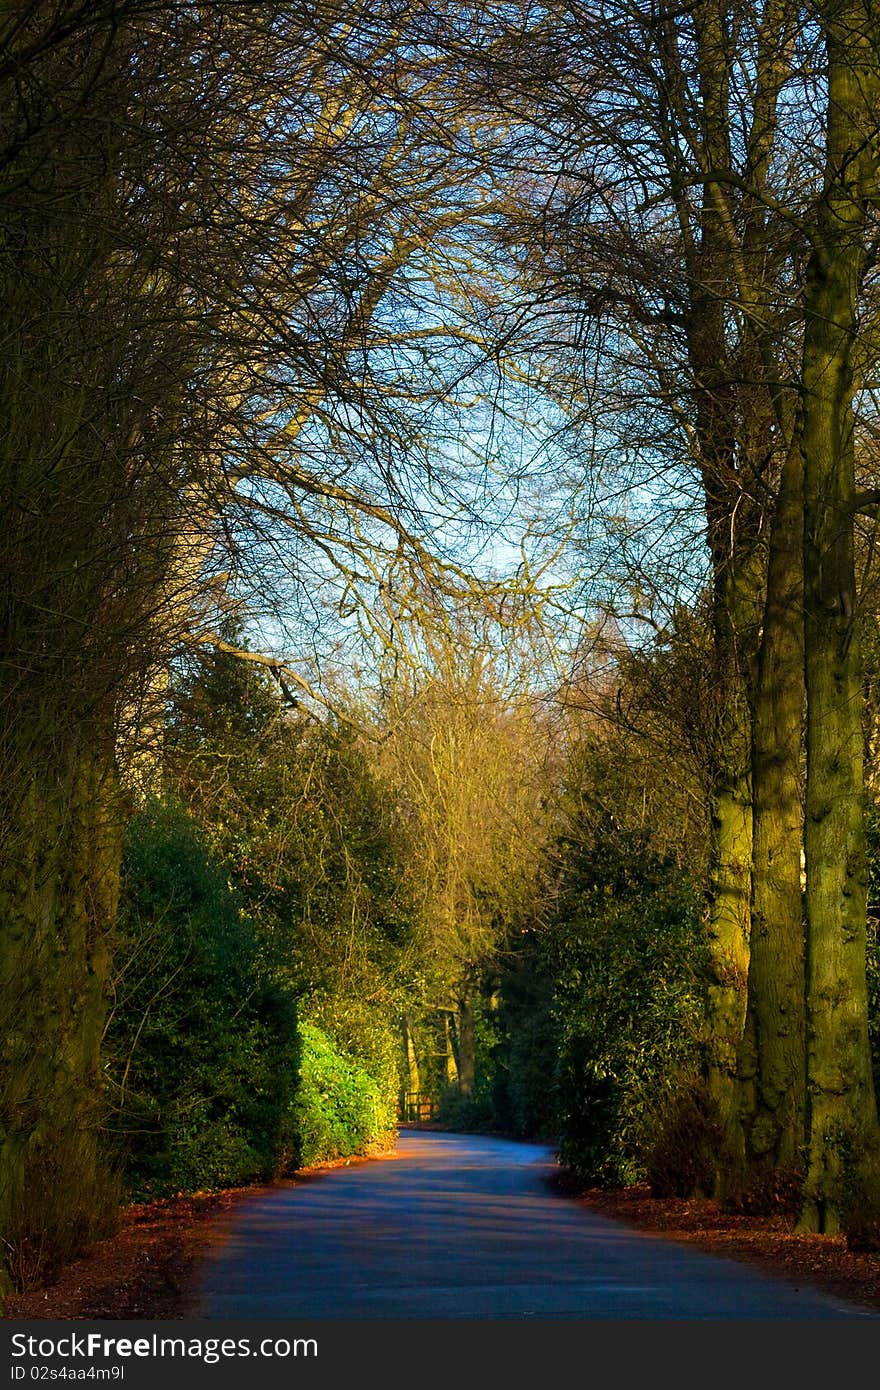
(464, 1226)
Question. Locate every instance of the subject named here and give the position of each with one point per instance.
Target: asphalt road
(463, 1226)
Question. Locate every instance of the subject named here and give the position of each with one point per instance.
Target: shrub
(473, 1114)
(628, 953)
(49, 1230)
(531, 1091)
(362, 1033)
(339, 1108)
(678, 1138)
(526, 1091)
(202, 1043)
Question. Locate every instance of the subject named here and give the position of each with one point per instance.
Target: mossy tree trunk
(729, 892)
(450, 1064)
(467, 1063)
(58, 892)
(731, 533)
(772, 1056)
(842, 1117)
(734, 251)
(771, 1059)
(734, 593)
(413, 1077)
(82, 566)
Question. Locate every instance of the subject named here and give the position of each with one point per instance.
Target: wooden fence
(415, 1107)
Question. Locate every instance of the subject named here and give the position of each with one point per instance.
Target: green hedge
(202, 1044)
(603, 1008)
(339, 1108)
(629, 1002)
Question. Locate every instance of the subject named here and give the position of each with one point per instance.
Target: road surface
(465, 1226)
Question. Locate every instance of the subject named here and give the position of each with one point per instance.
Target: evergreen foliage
(629, 959)
(339, 1108)
(605, 1003)
(202, 1044)
(307, 835)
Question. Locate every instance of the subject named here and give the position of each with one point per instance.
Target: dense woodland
(440, 650)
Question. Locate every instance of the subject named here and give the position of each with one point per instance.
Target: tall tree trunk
(772, 1056)
(450, 1065)
(58, 890)
(771, 1063)
(728, 922)
(466, 1044)
(730, 533)
(842, 1120)
(413, 1079)
(731, 269)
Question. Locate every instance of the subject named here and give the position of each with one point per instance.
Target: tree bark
(450, 1065)
(735, 586)
(58, 891)
(733, 330)
(728, 929)
(414, 1084)
(842, 1118)
(772, 1056)
(466, 1045)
